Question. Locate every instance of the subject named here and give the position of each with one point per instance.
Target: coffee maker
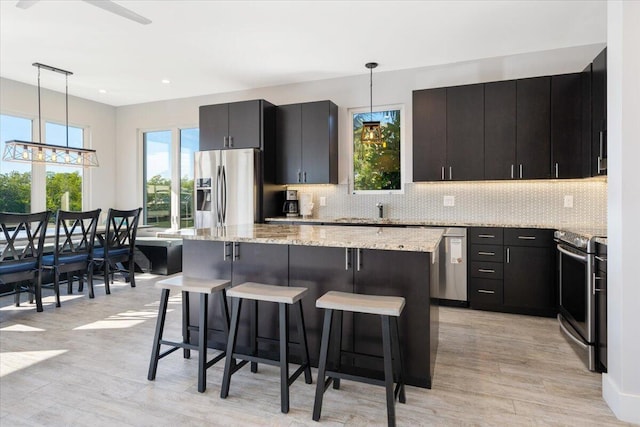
(290, 207)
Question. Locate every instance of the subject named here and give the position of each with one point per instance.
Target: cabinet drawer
(601, 257)
(486, 270)
(485, 292)
(493, 253)
(485, 235)
(528, 237)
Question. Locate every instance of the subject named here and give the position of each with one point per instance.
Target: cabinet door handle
(512, 171)
(527, 237)
(602, 259)
(486, 270)
(305, 176)
(442, 173)
(236, 251)
(486, 236)
(486, 291)
(450, 174)
(359, 259)
(595, 289)
(225, 142)
(557, 175)
(508, 255)
(299, 176)
(520, 170)
(347, 258)
(486, 253)
(230, 141)
(225, 254)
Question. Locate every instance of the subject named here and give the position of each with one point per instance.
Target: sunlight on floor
(124, 320)
(15, 360)
(21, 328)
(49, 301)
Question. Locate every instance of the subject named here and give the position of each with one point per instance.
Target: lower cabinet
(601, 305)
(514, 274)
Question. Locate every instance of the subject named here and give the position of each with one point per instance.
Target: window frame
(403, 148)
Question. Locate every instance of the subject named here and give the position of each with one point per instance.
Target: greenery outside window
(64, 184)
(377, 167)
(15, 178)
(157, 178)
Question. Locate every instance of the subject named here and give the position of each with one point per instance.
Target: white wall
(388, 88)
(21, 99)
(621, 386)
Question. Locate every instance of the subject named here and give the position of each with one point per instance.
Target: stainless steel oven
(577, 314)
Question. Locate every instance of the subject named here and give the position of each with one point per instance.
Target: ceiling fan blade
(119, 10)
(26, 4)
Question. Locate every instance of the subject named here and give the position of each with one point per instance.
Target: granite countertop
(385, 238)
(599, 232)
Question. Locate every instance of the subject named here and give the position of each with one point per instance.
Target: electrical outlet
(323, 201)
(568, 201)
(449, 200)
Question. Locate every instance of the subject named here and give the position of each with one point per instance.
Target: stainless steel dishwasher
(453, 291)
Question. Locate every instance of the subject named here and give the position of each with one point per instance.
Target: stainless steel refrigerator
(228, 187)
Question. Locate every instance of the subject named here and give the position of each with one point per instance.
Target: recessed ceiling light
(166, 81)
(102, 91)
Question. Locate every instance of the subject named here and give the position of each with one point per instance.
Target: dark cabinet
(395, 273)
(307, 136)
(429, 134)
(500, 130)
(529, 267)
(512, 270)
(533, 145)
(465, 133)
(566, 126)
(599, 114)
(235, 125)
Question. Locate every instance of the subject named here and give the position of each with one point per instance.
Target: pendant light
(39, 152)
(371, 130)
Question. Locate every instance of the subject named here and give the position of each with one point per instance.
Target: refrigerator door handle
(224, 195)
(218, 196)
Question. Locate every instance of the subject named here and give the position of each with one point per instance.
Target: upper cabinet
(566, 126)
(465, 132)
(599, 114)
(235, 125)
(533, 121)
(429, 134)
(500, 130)
(307, 139)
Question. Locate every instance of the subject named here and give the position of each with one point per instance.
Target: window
(157, 178)
(64, 183)
(189, 144)
(15, 177)
(376, 167)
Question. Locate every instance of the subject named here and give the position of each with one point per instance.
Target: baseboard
(626, 407)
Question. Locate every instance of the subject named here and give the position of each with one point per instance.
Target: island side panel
(397, 273)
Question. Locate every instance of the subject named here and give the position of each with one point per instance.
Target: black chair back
(121, 230)
(75, 233)
(22, 240)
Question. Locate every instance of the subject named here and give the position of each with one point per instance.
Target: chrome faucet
(380, 207)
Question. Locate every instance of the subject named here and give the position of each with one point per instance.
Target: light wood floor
(85, 364)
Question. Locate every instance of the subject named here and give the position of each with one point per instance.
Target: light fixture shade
(371, 133)
(35, 152)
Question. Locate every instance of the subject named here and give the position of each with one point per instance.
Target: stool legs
(388, 370)
(397, 359)
(229, 363)
(254, 333)
(155, 352)
(321, 383)
(284, 359)
(186, 333)
(302, 336)
(202, 342)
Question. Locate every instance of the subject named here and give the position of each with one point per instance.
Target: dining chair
(75, 233)
(21, 247)
(118, 244)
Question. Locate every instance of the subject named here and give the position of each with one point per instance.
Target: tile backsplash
(539, 202)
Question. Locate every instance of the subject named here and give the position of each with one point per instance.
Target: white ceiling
(206, 47)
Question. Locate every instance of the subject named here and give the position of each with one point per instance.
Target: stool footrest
(215, 360)
(297, 373)
(363, 375)
(167, 352)
(177, 345)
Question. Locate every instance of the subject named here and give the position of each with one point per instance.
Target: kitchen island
(368, 260)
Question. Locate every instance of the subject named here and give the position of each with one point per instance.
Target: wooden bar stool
(389, 309)
(188, 285)
(284, 296)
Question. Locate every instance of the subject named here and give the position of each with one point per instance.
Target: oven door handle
(569, 334)
(571, 254)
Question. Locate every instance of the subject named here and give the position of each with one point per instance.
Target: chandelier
(39, 152)
(371, 130)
